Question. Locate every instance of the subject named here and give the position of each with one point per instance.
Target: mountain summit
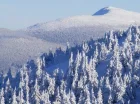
(85, 26)
(113, 10)
(105, 10)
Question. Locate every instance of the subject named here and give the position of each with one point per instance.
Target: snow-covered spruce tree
(45, 98)
(72, 98)
(8, 92)
(37, 92)
(99, 97)
(21, 96)
(27, 88)
(14, 98)
(106, 90)
(2, 99)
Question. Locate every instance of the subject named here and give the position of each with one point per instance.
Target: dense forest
(103, 71)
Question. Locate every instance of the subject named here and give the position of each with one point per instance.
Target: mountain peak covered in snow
(109, 14)
(106, 19)
(111, 10)
(104, 10)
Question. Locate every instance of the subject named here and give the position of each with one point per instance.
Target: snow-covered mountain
(81, 28)
(16, 47)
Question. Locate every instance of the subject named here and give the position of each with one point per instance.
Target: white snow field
(16, 47)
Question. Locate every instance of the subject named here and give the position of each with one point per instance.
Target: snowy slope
(16, 51)
(80, 28)
(16, 47)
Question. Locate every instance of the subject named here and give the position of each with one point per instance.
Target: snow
(16, 47)
(16, 51)
(87, 26)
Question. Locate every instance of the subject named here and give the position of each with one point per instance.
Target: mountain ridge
(110, 9)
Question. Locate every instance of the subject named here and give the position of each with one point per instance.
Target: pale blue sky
(17, 14)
